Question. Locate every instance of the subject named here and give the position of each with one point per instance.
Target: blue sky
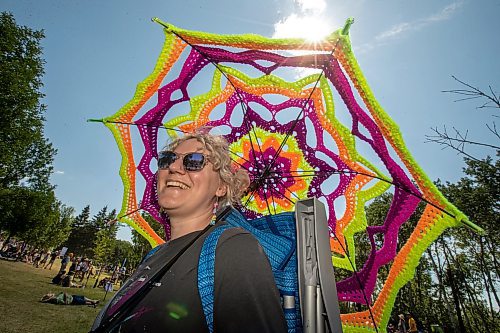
(97, 51)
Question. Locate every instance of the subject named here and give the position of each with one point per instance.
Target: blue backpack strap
(206, 273)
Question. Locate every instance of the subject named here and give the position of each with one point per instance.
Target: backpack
(276, 234)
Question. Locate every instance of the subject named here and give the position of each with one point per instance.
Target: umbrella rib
(274, 202)
(267, 204)
(290, 200)
(134, 124)
(117, 219)
(251, 195)
(243, 158)
(292, 193)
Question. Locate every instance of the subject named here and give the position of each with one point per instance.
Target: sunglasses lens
(165, 159)
(194, 161)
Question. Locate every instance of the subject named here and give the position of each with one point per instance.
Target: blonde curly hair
(237, 181)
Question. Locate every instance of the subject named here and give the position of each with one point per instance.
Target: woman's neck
(183, 225)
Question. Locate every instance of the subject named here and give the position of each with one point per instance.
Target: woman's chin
(169, 207)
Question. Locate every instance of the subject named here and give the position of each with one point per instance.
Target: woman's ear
(221, 190)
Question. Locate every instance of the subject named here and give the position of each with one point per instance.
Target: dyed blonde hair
(236, 181)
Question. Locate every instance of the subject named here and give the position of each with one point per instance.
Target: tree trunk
(477, 326)
(442, 291)
(454, 290)
(456, 300)
(491, 250)
(488, 275)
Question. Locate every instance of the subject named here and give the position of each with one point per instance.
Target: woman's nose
(177, 166)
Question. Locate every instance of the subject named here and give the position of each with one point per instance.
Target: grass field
(22, 286)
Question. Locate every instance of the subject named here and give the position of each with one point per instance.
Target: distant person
(59, 277)
(67, 281)
(65, 261)
(402, 324)
(45, 258)
(103, 282)
(84, 268)
(37, 255)
(74, 264)
(27, 257)
(67, 299)
(412, 325)
(123, 274)
(78, 268)
(53, 257)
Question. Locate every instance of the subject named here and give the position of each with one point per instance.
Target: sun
(314, 29)
(309, 27)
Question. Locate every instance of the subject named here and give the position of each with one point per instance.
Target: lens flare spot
(176, 311)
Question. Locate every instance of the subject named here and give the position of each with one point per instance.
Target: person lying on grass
(67, 299)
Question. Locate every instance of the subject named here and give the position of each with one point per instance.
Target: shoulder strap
(129, 301)
(206, 273)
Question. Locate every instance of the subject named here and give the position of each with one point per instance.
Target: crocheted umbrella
(303, 125)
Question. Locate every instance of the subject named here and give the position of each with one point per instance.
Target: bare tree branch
(494, 130)
(458, 141)
(492, 98)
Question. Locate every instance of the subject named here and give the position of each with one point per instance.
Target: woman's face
(184, 193)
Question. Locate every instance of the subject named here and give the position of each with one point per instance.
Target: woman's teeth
(177, 184)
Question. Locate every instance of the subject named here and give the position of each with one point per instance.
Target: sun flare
(311, 28)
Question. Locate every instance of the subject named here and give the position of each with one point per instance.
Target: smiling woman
(195, 177)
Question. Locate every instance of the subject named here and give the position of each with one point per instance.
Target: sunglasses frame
(206, 159)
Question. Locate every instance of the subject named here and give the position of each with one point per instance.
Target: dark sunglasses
(190, 161)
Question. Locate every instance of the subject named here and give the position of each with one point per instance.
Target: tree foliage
(91, 237)
(105, 239)
(80, 232)
(456, 282)
(34, 216)
(28, 206)
(25, 154)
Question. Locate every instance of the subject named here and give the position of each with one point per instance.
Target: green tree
(52, 229)
(141, 245)
(474, 258)
(104, 235)
(60, 231)
(123, 250)
(105, 244)
(25, 154)
(35, 216)
(81, 232)
(83, 218)
(24, 209)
